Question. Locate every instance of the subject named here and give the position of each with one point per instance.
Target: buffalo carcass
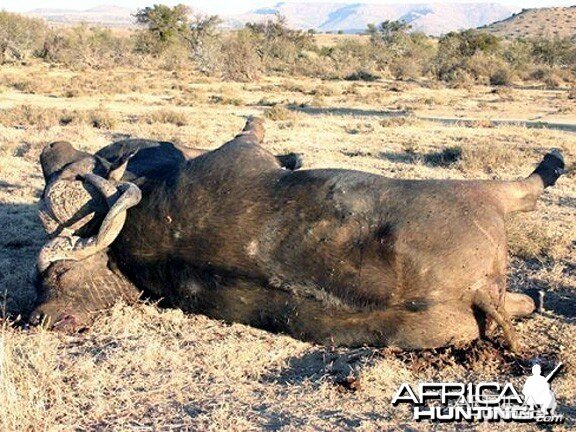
(330, 256)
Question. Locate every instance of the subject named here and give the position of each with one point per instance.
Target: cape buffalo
(331, 256)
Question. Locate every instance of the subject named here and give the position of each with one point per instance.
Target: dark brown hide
(332, 256)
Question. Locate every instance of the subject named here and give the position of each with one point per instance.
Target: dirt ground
(143, 368)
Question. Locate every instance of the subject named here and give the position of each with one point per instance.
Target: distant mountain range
(541, 22)
(107, 16)
(431, 18)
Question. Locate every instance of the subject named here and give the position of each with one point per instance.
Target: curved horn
(74, 248)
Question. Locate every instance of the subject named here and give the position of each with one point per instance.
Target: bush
(20, 36)
(206, 44)
(44, 118)
(488, 158)
(518, 54)
(362, 75)
(532, 241)
(279, 113)
(470, 50)
(280, 47)
(166, 116)
(101, 119)
(82, 47)
(554, 52)
(28, 115)
(548, 76)
(173, 40)
(240, 60)
(347, 57)
(404, 54)
(408, 68)
(501, 76)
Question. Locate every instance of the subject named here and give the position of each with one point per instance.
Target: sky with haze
(235, 6)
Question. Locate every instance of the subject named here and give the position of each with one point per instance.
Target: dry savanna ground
(143, 368)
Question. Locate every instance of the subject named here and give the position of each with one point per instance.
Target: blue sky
(231, 6)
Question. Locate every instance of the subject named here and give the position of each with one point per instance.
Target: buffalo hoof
(519, 305)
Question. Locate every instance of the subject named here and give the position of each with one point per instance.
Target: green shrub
(165, 26)
(469, 50)
(554, 52)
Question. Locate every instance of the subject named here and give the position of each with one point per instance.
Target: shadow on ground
(6, 185)
(21, 238)
(567, 202)
(334, 364)
(442, 158)
(559, 299)
(340, 111)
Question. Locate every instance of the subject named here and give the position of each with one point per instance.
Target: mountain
(542, 22)
(107, 16)
(431, 18)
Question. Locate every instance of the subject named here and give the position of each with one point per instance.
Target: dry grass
(279, 113)
(166, 116)
(530, 240)
(24, 116)
(143, 368)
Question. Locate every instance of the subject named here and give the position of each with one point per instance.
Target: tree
(389, 32)
(167, 25)
(20, 36)
(457, 49)
(277, 42)
(205, 42)
(395, 47)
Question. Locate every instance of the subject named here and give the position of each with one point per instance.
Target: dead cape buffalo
(327, 255)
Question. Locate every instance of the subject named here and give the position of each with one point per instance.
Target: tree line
(171, 38)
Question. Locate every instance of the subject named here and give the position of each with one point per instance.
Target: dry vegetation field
(143, 368)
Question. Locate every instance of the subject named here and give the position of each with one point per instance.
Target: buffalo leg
(521, 195)
(485, 304)
(305, 318)
(309, 319)
(290, 161)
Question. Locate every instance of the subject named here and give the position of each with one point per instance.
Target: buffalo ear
(55, 156)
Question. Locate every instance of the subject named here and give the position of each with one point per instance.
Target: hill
(541, 22)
